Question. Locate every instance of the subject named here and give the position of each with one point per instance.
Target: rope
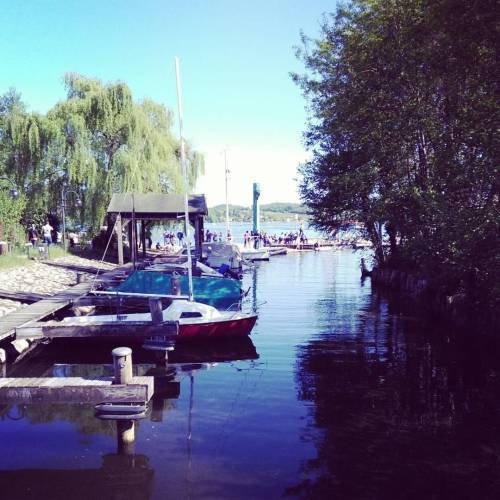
(104, 254)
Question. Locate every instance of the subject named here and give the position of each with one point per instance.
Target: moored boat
(254, 254)
(182, 320)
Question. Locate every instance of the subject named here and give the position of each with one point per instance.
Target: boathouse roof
(156, 205)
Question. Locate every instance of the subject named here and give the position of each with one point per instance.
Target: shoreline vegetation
(403, 100)
(271, 212)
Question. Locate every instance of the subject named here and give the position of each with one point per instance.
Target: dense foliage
(271, 212)
(95, 142)
(403, 98)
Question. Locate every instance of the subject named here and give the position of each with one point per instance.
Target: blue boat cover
(217, 292)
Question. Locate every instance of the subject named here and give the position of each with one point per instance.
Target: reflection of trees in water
(396, 415)
(119, 477)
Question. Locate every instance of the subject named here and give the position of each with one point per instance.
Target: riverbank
(432, 299)
(43, 278)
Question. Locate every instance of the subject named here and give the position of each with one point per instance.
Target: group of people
(47, 235)
(257, 239)
(213, 236)
(170, 238)
(292, 238)
(43, 235)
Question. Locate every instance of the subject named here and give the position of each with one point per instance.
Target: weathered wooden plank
(75, 390)
(129, 329)
(22, 296)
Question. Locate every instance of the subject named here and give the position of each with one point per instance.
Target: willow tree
(113, 144)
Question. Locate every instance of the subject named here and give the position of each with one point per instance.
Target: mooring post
(122, 363)
(80, 278)
(125, 433)
(156, 310)
(125, 429)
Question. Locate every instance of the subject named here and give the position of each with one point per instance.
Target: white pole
(227, 205)
(184, 172)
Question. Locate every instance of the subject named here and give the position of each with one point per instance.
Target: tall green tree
(403, 133)
(95, 142)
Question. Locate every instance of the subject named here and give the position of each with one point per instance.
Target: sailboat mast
(227, 205)
(184, 172)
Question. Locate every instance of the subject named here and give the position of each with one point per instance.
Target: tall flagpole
(184, 172)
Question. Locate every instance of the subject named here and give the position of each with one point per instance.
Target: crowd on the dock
(172, 240)
(258, 239)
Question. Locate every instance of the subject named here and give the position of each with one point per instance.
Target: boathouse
(148, 207)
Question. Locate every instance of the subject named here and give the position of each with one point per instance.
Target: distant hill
(271, 212)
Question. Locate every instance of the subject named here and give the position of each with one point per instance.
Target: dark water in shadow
(339, 394)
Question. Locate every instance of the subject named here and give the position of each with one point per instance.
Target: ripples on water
(350, 397)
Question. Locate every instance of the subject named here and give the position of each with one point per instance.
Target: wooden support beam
(156, 310)
(143, 238)
(119, 238)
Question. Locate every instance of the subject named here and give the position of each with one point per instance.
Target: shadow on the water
(83, 358)
(399, 410)
(120, 476)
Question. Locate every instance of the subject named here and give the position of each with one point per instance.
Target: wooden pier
(121, 389)
(304, 246)
(74, 390)
(27, 298)
(43, 308)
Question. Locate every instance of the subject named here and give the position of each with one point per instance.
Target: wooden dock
(75, 390)
(304, 246)
(27, 298)
(43, 308)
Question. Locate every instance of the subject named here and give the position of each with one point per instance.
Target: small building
(148, 207)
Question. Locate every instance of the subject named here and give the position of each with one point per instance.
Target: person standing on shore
(33, 235)
(47, 233)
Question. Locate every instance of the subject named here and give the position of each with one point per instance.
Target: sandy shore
(42, 278)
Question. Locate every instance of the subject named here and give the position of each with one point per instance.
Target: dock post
(155, 308)
(125, 433)
(125, 429)
(80, 278)
(122, 364)
(119, 238)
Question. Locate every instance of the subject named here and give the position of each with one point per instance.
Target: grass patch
(19, 258)
(56, 252)
(14, 259)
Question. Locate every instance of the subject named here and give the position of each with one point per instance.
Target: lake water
(341, 393)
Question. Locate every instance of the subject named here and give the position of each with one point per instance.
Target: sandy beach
(42, 278)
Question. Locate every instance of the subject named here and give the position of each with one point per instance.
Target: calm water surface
(338, 395)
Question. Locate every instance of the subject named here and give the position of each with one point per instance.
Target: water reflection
(351, 398)
(119, 476)
(399, 409)
(124, 474)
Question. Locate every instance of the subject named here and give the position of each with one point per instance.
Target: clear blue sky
(235, 62)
